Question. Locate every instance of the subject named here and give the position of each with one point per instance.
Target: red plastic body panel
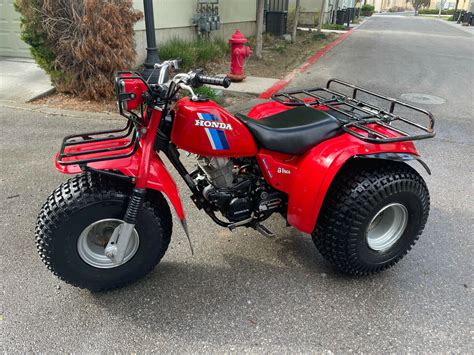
(145, 165)
(205, 128)
(158, 178)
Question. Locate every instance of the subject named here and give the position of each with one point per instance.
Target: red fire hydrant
(238, 54)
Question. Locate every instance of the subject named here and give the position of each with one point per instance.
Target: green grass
(193, 53)
(280, 47)
(319, 36)
(333, 26)
(208, 92)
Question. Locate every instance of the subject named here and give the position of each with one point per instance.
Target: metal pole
(151, 50)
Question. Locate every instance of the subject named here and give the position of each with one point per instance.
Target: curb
(43, 94)
(310, 61)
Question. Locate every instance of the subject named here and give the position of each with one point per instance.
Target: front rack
(92, 147)
(366, 121)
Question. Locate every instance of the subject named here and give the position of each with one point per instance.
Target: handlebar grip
(214, 80)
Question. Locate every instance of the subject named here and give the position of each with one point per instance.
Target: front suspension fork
(120, 239)
(118, 243)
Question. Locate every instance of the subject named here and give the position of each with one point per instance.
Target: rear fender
(159, 178)
(318, 167)
(402, 157)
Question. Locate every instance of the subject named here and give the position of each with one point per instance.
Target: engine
(236, 188)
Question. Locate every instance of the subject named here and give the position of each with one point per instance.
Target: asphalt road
(242, 292)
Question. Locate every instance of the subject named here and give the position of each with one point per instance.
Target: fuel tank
(205, 128)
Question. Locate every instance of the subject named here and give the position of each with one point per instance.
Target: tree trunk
(259, 39)
(297, 16)
(321, 15)
(456, 6)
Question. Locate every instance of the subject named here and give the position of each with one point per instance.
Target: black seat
(292, 131)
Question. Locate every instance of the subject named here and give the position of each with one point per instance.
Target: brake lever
(176, 63)
(194, 97)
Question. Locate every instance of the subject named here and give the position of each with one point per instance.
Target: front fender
(317, 169)
(158, 178)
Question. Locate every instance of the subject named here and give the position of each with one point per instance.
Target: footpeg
(264, 231)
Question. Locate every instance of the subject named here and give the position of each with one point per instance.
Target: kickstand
(264, 230)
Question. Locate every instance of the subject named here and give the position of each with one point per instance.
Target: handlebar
(186, 81)
(213, 80)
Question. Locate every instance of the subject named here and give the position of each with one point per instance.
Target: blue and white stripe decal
(216, 137)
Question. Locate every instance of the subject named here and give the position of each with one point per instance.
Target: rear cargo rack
(366, 121)
(92, 147)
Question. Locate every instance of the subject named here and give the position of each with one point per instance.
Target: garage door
(10, 43)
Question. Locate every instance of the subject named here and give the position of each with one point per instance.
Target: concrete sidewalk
(467, 29)
(22, 80)
(253, 85)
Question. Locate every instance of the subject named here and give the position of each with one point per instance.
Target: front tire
(373, 214)
(76, 222)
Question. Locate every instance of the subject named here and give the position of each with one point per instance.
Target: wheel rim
(387, 226)
(94, 238)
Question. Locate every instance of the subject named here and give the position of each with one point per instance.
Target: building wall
(173, 18)
(388, 4)
(310, 9)
(385, 5)
(451, 4)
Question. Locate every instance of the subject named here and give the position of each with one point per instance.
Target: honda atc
(333, 165)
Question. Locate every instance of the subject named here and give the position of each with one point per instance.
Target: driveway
(22, 80)
(242, 292)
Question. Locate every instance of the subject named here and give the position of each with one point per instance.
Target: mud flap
(184, 224)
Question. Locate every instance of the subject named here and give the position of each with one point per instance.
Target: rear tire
(81, 202)
(372, 215)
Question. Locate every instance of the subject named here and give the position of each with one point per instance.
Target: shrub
(396, 9)
(367, 10)
(81, 43)
(290, 22)
(435, 12)
(316, 19)
(194, 53)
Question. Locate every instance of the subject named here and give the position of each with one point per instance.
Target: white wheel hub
(94, 238)
(387, 227)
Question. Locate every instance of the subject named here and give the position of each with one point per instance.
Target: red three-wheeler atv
(333, 165)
